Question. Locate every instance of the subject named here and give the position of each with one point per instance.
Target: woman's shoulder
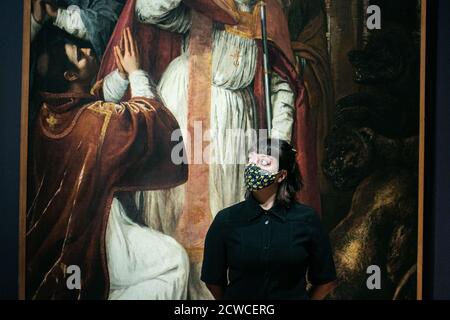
(230, 213)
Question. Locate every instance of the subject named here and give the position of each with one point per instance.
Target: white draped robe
(233, 106)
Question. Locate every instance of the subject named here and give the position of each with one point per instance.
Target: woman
(265, 246)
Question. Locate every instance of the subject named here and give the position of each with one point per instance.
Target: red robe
(85, 150)
(159, 48)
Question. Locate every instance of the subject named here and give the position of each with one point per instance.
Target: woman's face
(264, 161)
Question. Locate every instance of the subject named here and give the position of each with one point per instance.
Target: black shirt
(258, 254)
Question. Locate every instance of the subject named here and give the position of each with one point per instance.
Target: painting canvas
(138, 115)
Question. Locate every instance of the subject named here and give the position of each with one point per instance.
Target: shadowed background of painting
(364, 91)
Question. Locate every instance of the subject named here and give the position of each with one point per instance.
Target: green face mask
(257, 178)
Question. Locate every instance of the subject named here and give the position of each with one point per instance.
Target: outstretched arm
(69, 20)
(66, 19)
(283, 108)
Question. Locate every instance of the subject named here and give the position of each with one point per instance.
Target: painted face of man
(84, 60)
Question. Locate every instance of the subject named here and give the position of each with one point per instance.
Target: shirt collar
(63, 102)
(254, 210)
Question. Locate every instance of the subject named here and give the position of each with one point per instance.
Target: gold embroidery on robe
(249, 25)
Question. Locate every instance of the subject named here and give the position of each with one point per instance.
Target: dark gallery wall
(437, 227)
(439, 130)
(10, 87)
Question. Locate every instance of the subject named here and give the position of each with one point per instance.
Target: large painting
(138, 115)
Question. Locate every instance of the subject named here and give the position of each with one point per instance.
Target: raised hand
(120, 68)
(127, 54)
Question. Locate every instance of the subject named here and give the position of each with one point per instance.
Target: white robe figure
(233, 106)
(143, 264)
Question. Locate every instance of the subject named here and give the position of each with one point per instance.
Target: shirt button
(267, 222)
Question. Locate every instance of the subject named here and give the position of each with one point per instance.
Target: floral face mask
(257, 178)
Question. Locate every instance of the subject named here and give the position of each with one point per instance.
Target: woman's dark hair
(286, 156)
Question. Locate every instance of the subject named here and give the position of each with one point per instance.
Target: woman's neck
(266, 197)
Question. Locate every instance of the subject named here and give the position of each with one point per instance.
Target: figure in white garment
(143, 263)
(233, 106)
